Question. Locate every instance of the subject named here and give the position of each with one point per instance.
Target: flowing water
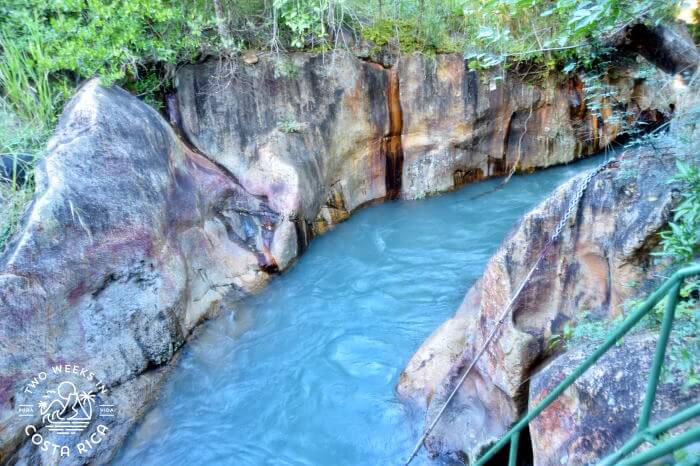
(304, 373)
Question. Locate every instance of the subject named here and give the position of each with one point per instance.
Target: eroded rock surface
(131, 241)
(603, 250)
(135, 236)
(460, 125)
(322, 136)
(599, 412)
(306, 134)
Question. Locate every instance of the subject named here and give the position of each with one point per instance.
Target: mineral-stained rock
(603, 249)
(135, 236)
(323, 135)
(461, 125)
(599, 412)
(132, 239)
(305, 132)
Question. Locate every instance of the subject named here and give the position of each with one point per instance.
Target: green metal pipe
(626, 325)
(669, 446)
(657, 364)
(678, 418)
(622, 329)
(687, 271)
(653, 431)
(627, 448)
(513, 456)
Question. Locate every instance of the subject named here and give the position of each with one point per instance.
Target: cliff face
(323, 136)
(135, 236)
(460, 125)
(603, 250)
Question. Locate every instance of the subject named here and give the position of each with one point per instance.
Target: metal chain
(577, 198)
(573, 206)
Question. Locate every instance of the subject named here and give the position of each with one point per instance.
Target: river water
(304, 373)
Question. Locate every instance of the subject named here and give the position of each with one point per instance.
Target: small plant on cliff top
(587, 330)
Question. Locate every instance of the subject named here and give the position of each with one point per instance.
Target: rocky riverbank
(140, 229)
(585, 275)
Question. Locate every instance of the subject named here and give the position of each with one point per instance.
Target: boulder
(598, 413)
(132, 240)
(669, 46)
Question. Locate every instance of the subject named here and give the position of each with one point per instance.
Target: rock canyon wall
(587, 274)
(140, 229)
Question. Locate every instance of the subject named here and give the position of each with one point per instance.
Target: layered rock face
(601, 252)
(323, 136)
(460, 125)
(135, 236)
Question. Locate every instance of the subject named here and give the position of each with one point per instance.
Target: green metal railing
(644, 432)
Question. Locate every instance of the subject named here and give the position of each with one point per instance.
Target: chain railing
(644, 432)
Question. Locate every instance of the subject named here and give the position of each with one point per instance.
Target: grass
(13, 202)
(27, 114)
(17, 139)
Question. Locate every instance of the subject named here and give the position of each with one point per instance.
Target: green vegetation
(684, 347)
(681, 242)
(290, 125)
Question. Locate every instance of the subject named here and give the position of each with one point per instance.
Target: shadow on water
(304, 373)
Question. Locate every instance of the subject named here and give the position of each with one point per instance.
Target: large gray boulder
(599, 412)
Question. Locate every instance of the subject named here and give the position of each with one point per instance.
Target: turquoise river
(304, 373)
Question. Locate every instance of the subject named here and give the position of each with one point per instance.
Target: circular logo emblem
(67, 408)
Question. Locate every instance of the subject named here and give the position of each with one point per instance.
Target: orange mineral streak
(391, 144)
